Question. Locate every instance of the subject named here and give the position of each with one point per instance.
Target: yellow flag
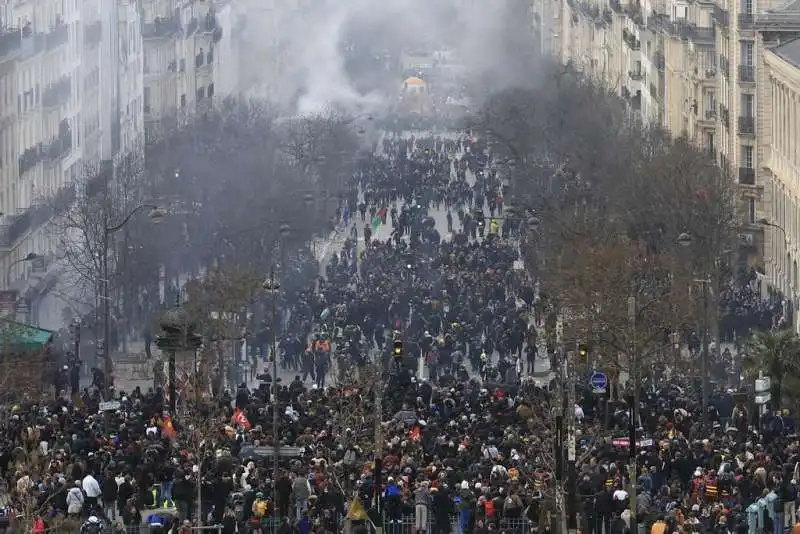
(357, 512)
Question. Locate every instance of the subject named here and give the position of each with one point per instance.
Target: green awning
(18, 337)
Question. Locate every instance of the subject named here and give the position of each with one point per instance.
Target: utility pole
(560, 410)
(634, 401)
(378, 482)
(572, 482)
(706, 342)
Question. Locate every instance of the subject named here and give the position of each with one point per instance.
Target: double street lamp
(155, 214)
(271, 286)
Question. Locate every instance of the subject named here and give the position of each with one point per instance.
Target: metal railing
(747, 176)
(457, 523)
(56, 37)
(720, 16)
(747, 73)
(162, 28)
(747, 125)
(10, 40)
(746, 21)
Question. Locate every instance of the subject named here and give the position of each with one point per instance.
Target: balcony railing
(210, 57)
(747, 73)
(636, 102)
(724, 66)
(747, 176)
(626, 93)
(636, 75)
(724, 115)
(631, 40)
(616, 6)
(711, 114)
(59, 146)
(747, 125)
(57, 93)
(10, 40)
(93, 33)
(162, 28)
(608, 15)
(659, 60)
(746, 21)
(209, 23)
(711, 73)
(198, 60)
(56, 37)
(216, 36)
(720, 16)
(191, 27)
(30, 158)
(698, 35)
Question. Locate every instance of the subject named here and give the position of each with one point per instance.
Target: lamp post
(30, 257)
(271, 285)
(763, 221)
(155, 214)
(685, 240)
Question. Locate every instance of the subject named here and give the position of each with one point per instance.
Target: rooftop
(789, 51)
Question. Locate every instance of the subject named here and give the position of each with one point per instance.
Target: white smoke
(294, 51)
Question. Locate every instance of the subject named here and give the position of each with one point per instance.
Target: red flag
(240, 419)
(415, 433)
(167, 430)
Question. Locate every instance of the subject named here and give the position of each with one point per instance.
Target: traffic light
(397, 349)
(480, 218)
(583, 350)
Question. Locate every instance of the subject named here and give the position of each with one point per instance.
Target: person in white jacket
(75, 499)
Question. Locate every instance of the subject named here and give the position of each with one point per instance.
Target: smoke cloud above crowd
(309, 56)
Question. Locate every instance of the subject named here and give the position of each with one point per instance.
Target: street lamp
(271, 285)
(685, 240)
(31, 256)
(155, 214)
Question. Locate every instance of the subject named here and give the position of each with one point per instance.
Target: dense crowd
(433, 326)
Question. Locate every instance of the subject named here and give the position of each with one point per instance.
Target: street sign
(109, 406)
(599, 382)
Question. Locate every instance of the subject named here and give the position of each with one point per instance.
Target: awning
(19, 337)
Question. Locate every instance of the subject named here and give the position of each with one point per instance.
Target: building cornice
(782, 69)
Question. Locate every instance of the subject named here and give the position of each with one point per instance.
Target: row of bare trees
(613, 198)
(242, 190)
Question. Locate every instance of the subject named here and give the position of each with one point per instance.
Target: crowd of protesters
(434, 324)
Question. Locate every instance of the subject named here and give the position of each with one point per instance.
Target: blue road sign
(598, 381)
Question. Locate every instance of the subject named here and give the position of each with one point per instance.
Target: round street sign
(598, 381)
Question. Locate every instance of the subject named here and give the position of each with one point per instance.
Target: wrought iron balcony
(698, 35)
(747, 125)
(710, 73)
(93, 33)
(636, 101)
(747, 73)
(191, 27)
(746, 21)
(631, 40)
(59, 146)
(10, 41)
(608, 15)
(57, 93)
(30, 158)
(747, 176)
(720, 16)
(659, 60)
(711, 114)
(162, 28)
(209, 23)
(636, 75)
(56, 37)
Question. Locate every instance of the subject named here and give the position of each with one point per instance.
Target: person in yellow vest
(712, 490)
(259, 510)
(493, 226)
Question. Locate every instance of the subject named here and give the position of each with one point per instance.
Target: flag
(167, 430)
(356, 512)
(415, 433)
(382, 213)
(376, 222)
(240, 419)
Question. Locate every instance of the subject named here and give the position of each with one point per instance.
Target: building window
(747, 7)
(210, 90)
(747, 53)
(748, 105)
(747, 156)
(201, 93)
(147, 100)
(751, 210)
(183, 100)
